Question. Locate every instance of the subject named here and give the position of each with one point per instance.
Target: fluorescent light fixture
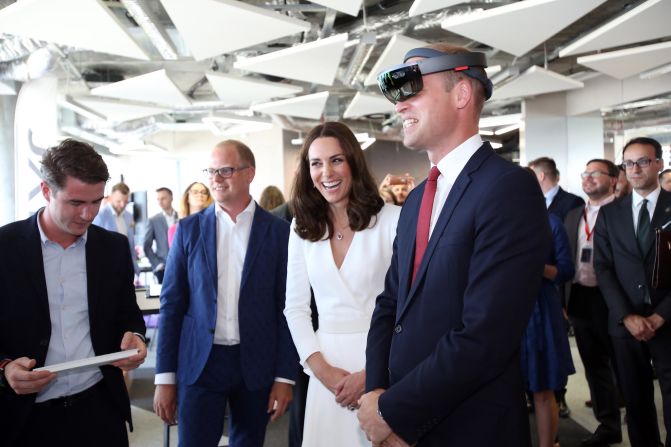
(136, 147)
(230, 124)
(502, 120)
(496, 145)
(361, 137)
(297, 141)
(656, 72)
(366, 144)
(486, 132)
(141, 13)
(69, 104)
(492, 70)
(507, 129)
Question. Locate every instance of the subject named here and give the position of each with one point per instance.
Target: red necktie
(424, 219)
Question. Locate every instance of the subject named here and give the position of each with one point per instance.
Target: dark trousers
(159, 276)
(202, 406)
(636, 381)
(589, 317)
(297, 410)
(90, 418)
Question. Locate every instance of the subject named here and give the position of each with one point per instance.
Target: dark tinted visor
(400, 83)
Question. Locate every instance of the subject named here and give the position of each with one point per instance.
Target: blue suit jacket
(157, 230)
(107, 220)
(189, 301)
(446, 347)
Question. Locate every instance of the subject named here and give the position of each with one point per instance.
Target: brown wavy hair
(311, 210)
(185, 208)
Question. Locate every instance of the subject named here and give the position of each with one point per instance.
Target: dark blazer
(157, 229)
(446, 347)
(623, 272)
(189, 301)
(564, 202)
(25, 325)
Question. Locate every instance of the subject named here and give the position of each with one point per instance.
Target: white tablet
(91, 361)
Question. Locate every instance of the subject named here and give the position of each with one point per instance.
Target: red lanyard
(588, 233)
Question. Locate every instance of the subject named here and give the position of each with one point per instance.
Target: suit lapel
(453, 198)
(626, 223)
(260, 224)
(35, 267)
(406, 247)
(207, 220)
(94, 272)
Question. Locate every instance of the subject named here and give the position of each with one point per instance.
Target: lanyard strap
(588, 233)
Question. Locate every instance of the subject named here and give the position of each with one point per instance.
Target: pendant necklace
(339, 236)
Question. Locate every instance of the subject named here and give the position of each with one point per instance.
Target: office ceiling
(131, 68)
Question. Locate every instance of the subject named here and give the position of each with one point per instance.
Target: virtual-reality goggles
(405, 81)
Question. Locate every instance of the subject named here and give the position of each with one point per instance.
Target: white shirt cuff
(282, 380)
(165, 379)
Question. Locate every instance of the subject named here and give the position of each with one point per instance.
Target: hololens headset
(405, 81)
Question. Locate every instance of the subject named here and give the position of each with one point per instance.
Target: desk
(147, 305)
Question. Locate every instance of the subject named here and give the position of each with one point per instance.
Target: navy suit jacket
(623, 272)
(189, 301)
(157, 230)
(564, 202)
(446, 347)
(25, 324)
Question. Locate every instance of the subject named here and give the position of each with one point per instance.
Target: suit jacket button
(398, 329)
(640, 286)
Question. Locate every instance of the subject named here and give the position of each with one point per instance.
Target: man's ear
(464, 93)
(44, 187)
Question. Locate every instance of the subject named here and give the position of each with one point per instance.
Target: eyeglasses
(225, 172)
(641, 162)
(593, 174)
(202, 192)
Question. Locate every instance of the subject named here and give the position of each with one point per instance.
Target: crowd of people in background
(386, 314)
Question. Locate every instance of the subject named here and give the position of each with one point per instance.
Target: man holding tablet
(66, 293)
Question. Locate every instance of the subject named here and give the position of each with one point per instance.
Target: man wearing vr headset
(443, 364)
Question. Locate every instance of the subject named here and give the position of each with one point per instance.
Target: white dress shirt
(171, 218)
(450, 166)
(637, 199)
(232, 241)
(584, 272)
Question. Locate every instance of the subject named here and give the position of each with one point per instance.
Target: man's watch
(3, 364)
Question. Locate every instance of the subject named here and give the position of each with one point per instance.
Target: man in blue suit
(115, 217)
(442, 360)
(157, 230)
(224, 338)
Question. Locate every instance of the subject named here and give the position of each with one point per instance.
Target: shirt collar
(245, 214)
(636, 198)
(550, 195)
(452, 164)
(601, 203)
(44, 238)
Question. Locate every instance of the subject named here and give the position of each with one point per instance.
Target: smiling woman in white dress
(341, 246)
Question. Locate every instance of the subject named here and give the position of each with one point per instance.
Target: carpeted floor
(142, 393)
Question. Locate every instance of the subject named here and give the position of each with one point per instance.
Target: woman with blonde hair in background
(271, 198)
(196, 198)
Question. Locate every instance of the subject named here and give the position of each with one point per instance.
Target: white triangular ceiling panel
(233, 90)
(392, 55)
(7, 88)
(316, 62)
(647, 21)
(85, 24)
(213, 27)
(308, 106)
(366, 104)
(421, 6)
(625, 63)
(535, 81)
(155, 87)
(116, 111)
(533, 22)
(350, 7)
